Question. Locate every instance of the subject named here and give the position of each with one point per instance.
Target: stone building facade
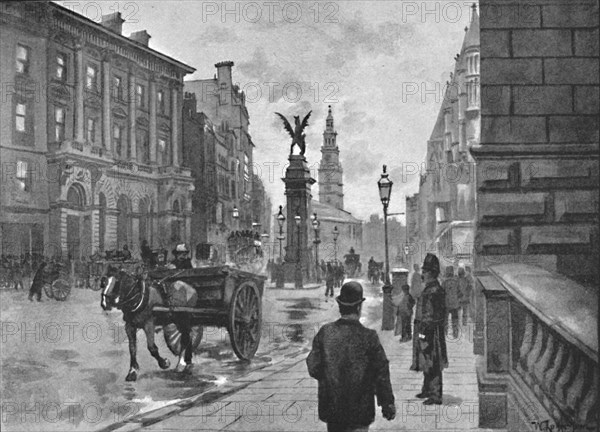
(537, 219)
(91, 147)
(225, 180)
(440, 216)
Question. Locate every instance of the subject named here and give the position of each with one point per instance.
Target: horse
(136, 296)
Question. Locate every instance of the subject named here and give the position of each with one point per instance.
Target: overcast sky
(381, 65)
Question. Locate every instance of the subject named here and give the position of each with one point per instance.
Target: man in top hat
(351, 366)
(181, 261)
(431, 355)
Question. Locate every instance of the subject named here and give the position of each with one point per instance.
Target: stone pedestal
(298, 183)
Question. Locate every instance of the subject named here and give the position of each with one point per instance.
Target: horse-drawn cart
(223, 296)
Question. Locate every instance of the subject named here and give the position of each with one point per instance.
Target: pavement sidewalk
(283, 397)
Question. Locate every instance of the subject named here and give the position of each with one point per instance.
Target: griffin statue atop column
(297, 133)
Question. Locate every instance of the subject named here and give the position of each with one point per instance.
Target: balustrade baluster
(551, 377)
(587, 412)
(525, 345)
(544, 363)
(575, 391)
(564, 378)
(534, 354)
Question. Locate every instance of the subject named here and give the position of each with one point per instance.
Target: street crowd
(350, 364)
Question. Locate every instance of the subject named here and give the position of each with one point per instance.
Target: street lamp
(298, 278)
(388, 314)
(385, 190)
(316, 226)
(280, 221)
(336, 233)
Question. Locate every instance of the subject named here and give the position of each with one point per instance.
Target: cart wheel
(245, 319)
(95, 284)
(48, 290)
(61, 289)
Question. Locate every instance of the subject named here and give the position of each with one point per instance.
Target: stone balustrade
(540, 363)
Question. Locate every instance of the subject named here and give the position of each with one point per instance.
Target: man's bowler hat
(351, 294)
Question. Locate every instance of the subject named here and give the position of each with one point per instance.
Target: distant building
(330, 206)
(219, 150)
(441, 215)
(91, 141)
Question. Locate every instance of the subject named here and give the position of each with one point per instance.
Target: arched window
(101, 220)
(123, 221)
(76, 196)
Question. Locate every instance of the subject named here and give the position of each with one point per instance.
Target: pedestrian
(181, 260)
(351, 367)
(38, 282)
(450, 286)
(329, 281)
(126, 253)
(432, 356)
(404, 315)
(416, 290)
(465, 292)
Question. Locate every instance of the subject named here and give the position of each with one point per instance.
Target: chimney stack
(141, 36)
(113, 22)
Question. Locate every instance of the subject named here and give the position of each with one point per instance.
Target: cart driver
(182, 260)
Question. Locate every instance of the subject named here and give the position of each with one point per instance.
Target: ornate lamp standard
(316, 226)
(335, 233)
(385, 189)
(280, 221)
(298, 278)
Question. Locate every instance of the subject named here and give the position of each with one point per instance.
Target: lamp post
(280, 221)
(316, 224)
(385, 189)
(298, 278)
(336, 233)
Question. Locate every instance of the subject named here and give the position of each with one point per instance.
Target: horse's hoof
(188, 368)
(165, 364)
(131, 376)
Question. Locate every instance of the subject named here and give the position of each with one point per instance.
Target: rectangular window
(61, 67)
(59, 124)
(163, 152)
(160, 97)
(118, 140)
(23, 58)
(91, 130)
(91, 78)
(24, 176)
(117, 88)
(20, 116)
(140, 91)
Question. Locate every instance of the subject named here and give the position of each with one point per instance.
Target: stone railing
(540, 365)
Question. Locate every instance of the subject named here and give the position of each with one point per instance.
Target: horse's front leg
(131, 331)
(164, 363)
(185, 356)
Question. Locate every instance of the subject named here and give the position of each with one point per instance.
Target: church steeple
(329, 121)
(331, 188)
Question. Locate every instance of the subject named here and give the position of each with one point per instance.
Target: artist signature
(548, 426)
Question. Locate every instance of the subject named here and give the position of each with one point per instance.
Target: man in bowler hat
(351, 366)
(431, 356)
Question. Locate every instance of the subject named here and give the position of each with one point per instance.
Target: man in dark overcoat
(351, 366)
(432, 356)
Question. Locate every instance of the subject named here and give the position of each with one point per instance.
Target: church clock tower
(331, 188)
